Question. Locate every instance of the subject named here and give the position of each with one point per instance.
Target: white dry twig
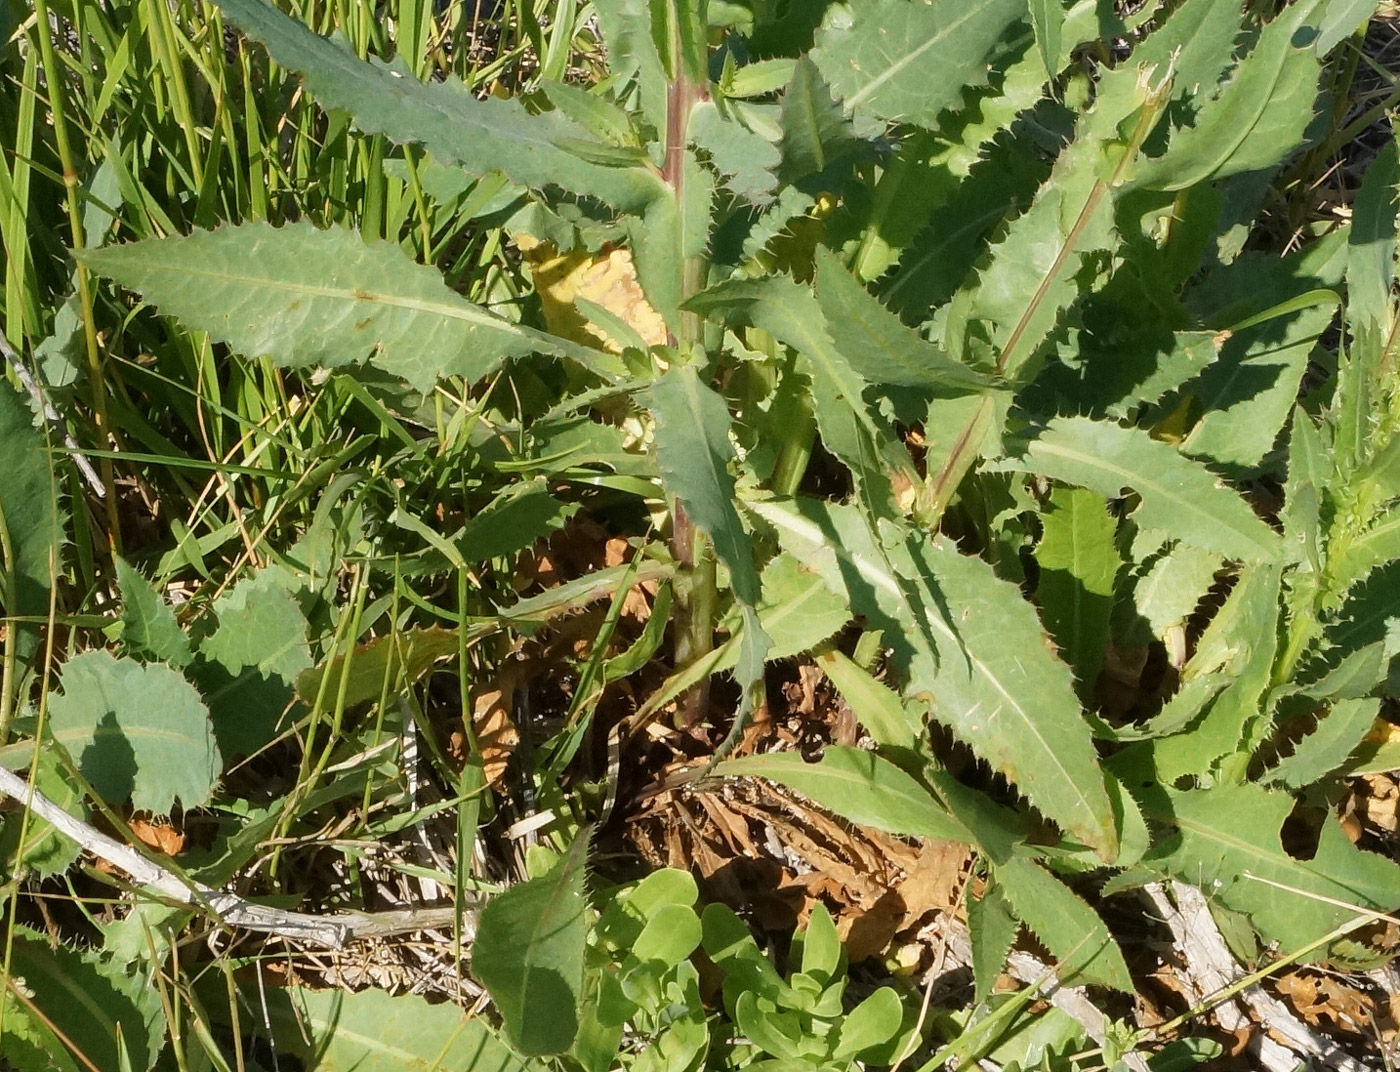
(1071, 1000)
(230, 909)
(1210, 968)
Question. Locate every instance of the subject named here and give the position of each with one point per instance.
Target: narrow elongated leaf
(1078, 565)
(30, 511)
(1309, 467)
(308, 297)
(444, 117)
(859, 786)
(529, 954)
(877, 706)
(1047, 18)
(1229, 836)
(341, 1031)
(1363, 367)
(1371, 241)
(992, 928)
(1258, 117)
(876, 343)
(1000, 689)
(136, 732)
(693, 451)
(1032, 274)
(907, 61)
(1070, 929)
(1339, 730)
(1178, 496)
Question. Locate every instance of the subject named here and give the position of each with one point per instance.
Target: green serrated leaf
(851, 427)
(260, 626)
(1342, 19)
(1178, 496)
(877, 344)
(1257, 118)
(1031, 277)
(856, 785)
(29, 512)
(1237, 649)
(992, 928)
(815, 132)
(1114, 377)
(150, 627)
(743, 156)
(905, 61)
(28, 1042)
(941, 255)
(308, 297)
(1363, 368)
(1339, 730)
(1009, 699)
(444, 117)
(98, 1007)
(1070, 929)
(137, 732)
(529, 954)
(1000, 689)
(632, 56)
(1353, 560)
(672, 230)
(796, 609)
(1249, 392)
(343, 1031)
(837, 543)
(1228, 836)
(1047, 19)
(1174, 585)
(693, 451)
(1079, 563)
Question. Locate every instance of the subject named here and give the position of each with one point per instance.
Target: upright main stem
(695, 603)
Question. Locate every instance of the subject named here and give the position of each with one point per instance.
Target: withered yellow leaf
(607, 279)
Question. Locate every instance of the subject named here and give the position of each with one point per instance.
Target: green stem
(54, 76)
(942, 485)
(695, 607)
